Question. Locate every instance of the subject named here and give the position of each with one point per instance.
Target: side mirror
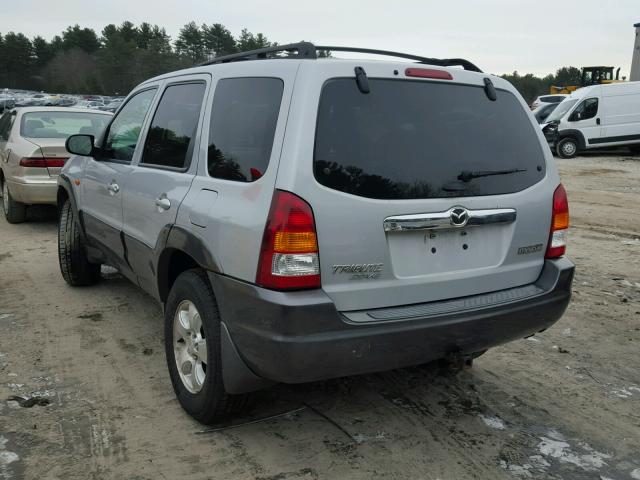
(80, 145)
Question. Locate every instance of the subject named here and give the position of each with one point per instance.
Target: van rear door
(422, 189)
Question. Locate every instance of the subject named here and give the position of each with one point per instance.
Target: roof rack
(309, 50)
(304, 49)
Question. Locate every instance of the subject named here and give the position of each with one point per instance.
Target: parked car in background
(7, 102)
(407, 212)
(66, 102)
(111, 106)
(91, 104)
(543, 111)
(556, 98)
(32, 153)
(597, 116)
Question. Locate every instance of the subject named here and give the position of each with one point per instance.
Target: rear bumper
(34, 191)
(299, 337)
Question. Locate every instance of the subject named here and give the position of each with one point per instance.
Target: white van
(596, 116)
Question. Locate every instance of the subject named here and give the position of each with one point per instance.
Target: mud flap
(236, 376)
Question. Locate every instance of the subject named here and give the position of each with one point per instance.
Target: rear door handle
(163, 203)
(113, 187)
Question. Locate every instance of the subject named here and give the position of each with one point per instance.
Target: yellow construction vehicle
(590, 76)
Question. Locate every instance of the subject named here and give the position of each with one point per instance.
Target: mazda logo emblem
(459, 216)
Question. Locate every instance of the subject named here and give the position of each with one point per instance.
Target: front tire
(192, 345)
(14, 212)
(567, 147)
(75, 267)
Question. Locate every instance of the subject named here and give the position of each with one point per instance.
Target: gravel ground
(84, 392)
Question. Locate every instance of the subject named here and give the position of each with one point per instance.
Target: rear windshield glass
(61, 124)
(419, 139)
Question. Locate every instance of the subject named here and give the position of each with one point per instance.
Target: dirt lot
(564, 404)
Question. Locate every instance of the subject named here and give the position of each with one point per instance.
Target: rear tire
(191, 320)
(75, 267)
(567, 147)
(635, 149)
(14, 212)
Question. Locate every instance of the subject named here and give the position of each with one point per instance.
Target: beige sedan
(32, 152)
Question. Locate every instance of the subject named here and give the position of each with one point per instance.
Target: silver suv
(303, 218)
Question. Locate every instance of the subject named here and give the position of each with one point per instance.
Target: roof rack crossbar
(443, 62)
(309, 50)
(303, 49)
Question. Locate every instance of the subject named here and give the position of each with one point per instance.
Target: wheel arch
(181, 250)
(65, 191)
(575, 134)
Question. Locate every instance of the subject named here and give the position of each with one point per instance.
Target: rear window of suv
(413, 139)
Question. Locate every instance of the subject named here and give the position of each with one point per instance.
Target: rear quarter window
(243, 124)
(414, 139)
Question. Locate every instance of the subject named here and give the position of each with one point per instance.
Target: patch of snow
(534, 339)
(493, 422)
(361, 437)
(517, 470)
(635, 241)
(556, 435)
(6, 457)
(626, 392)
(636, 474)
(562, 451)
(566, 331)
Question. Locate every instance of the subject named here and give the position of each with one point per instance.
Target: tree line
(81, 61)
(530, 86)
(120, 57)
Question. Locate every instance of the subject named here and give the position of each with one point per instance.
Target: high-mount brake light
(40, 162)
(289, 253)
(428, 73)
(557, 245)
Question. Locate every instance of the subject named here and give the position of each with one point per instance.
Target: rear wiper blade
(467, 175)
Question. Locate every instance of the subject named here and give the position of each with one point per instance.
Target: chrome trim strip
(443, 220)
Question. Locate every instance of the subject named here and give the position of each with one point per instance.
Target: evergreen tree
(218, 40)
(190, 43)
(82, 38)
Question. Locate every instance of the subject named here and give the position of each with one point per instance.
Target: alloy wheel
(190, 346)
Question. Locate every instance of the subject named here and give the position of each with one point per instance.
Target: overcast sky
(500, 36)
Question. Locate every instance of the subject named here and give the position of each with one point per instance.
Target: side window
(170, 138)
(586, 110)
(124, 130)
(243, 124)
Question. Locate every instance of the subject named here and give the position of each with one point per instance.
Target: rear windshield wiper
(467, 175)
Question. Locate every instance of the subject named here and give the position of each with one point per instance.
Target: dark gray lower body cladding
(296, 337)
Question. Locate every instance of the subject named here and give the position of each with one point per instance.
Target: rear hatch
(422, 189)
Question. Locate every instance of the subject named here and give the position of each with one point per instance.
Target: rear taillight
(559, 224)
(40, 162)
(289, 253)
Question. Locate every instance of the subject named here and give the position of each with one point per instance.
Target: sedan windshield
(561, 110)
(542, 112)
(61, 124)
